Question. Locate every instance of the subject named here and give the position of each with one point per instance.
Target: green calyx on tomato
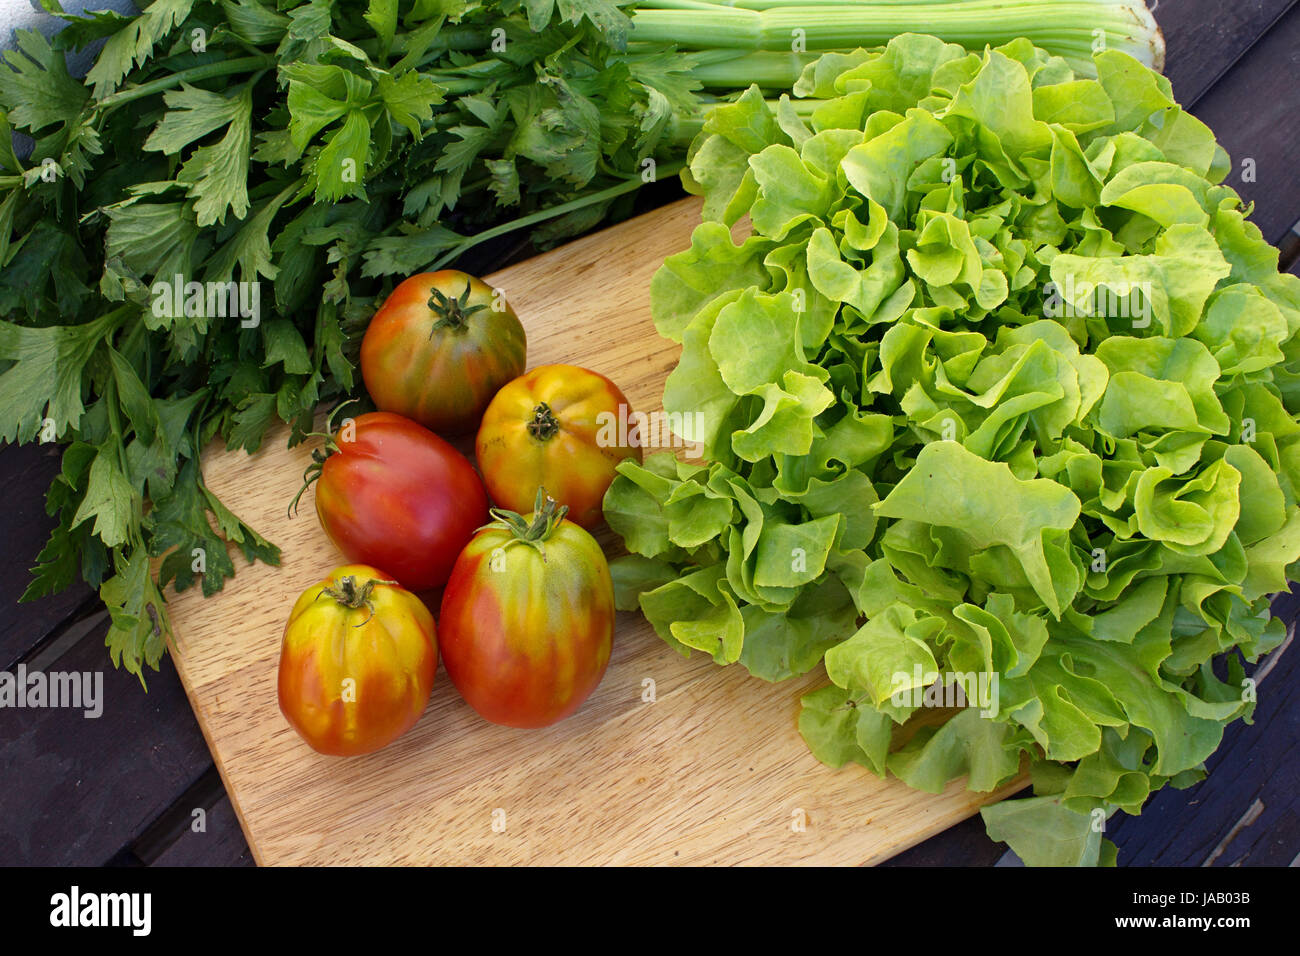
(452, 312)
(349, 595)
(547, 515)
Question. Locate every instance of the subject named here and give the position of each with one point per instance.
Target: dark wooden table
(138, 786)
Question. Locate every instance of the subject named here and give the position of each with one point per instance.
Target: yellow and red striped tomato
(439, 348)
(527, 619)
(357, 662)
(559, 427)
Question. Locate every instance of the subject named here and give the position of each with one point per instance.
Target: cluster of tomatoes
(526, 622)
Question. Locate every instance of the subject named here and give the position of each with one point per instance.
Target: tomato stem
(318, 456)
(452, 313)
(312, 473)
(547, 516)
(349, 595)
(543, 425)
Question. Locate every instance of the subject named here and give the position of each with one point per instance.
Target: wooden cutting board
(670, 760)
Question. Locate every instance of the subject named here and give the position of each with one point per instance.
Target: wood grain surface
(1255, 123)
(712, 770)
(1205, 38)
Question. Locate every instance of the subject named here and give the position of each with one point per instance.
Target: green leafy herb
(204, 223)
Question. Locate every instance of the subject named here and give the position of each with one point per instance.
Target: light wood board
(713, 770)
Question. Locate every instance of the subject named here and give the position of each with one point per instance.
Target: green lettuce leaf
(1001, 394)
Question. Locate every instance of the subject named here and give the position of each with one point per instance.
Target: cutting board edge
(202, 718)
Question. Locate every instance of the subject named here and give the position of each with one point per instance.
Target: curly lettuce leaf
(1000, 394)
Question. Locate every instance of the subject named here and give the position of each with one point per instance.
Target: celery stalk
(1073, 29)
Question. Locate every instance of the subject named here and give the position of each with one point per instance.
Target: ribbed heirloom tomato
(393, 494)
(357, 662)
(527, 619)
(439, 348)
(560, 427)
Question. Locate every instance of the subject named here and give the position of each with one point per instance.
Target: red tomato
(439, 348)
(357, 662)
(527, 620)
(559, 427)
(395, 495)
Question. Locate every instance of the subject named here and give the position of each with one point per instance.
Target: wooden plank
(77, 789)
(1252, 112)
(966, 844)
(25, 473)
(1290, 248)
(713, 770)
(220, 843)
(199, 829)
(1204, 38)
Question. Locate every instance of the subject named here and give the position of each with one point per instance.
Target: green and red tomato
(560, 427)
(357, 662)
(439, 348)
(394, 495)
(527, 621)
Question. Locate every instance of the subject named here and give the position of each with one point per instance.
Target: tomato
(527, 619)
(439, 348)
(559, 427)
(357, 662)
(393, 494)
